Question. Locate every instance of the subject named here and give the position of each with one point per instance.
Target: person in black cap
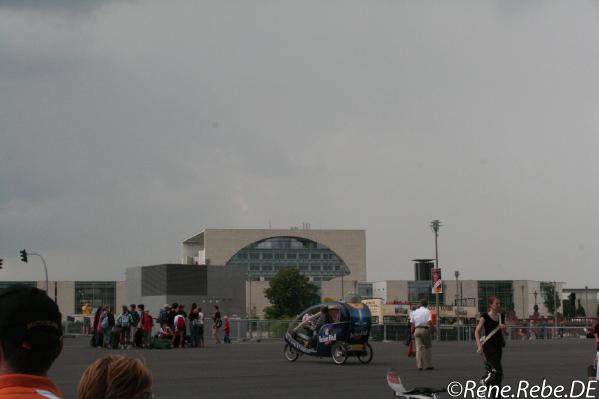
(30, 342)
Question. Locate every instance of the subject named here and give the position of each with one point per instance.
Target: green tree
(570, 305)
(580, 312)
(289, 293)
(550, 297)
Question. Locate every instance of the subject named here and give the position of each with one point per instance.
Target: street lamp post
(457, 303)
(523, 308)
(586, 302)
(435, 224)
(555, 303)
(24, 255)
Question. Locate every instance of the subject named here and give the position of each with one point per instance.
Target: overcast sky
(127, 127)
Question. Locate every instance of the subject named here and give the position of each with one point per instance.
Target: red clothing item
(148, 323)
(227, 326)
(25, 386)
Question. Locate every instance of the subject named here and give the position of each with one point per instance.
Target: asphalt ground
(258, 369)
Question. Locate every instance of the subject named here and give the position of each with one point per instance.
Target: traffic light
(1, 262)
(23, 256)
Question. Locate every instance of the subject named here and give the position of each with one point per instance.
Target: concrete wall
(63, 292)
(221, 244)
(257, 302)
(391, 290)
(332, 289)
(469, 290)
(397, 290)
(379, 290)
(225, 288)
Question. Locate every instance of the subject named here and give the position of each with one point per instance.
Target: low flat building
(158, 285)
(519, 296)
(71, 295)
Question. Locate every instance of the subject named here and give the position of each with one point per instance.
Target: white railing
(261, 329)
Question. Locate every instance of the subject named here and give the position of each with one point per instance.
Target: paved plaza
(258, 369)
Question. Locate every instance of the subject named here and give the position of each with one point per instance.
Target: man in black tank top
(492, 347)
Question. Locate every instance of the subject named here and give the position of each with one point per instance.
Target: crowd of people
(31, 339)
(135, 326)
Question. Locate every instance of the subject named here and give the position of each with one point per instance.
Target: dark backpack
(134, 318)
(163, 317)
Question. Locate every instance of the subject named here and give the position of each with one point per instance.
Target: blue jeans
(195, 335)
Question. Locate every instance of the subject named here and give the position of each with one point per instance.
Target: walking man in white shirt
(421, 327)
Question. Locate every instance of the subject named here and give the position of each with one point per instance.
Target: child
(147, 323)
(227, 330)
(166, 332)
(180, 328)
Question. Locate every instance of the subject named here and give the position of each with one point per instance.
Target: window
(270, 255)
(6, 284)
(503, 289)
(98, 293)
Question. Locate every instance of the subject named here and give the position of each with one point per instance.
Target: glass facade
(6, 284)
(419, 289)
(364, 290)
(265, 258)
(98, 293)
(503, 289)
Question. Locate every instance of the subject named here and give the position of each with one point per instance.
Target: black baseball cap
(29, 319)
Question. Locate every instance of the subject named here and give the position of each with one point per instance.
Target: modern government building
(232, 267)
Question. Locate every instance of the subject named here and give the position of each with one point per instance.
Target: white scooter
(416, 393)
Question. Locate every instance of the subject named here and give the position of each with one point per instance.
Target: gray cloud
(65, 7)
(127, 127)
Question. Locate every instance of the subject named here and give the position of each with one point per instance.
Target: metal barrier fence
(260, 329)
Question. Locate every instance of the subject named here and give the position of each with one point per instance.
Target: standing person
(227, 330)
(138, 338)
(596, 331)
(194, 326)
(115, 377)
(147, 324)
(30, 342)
(200, 327)
(421, 320)
(97, 327)
(107, 322)
(492, 346)
(163, 315)
(86, 311)
(124, 323)
(217, 323)
(180, 328)
(171, 315)
(134, 316)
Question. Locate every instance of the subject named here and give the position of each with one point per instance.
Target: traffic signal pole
(24, 254)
